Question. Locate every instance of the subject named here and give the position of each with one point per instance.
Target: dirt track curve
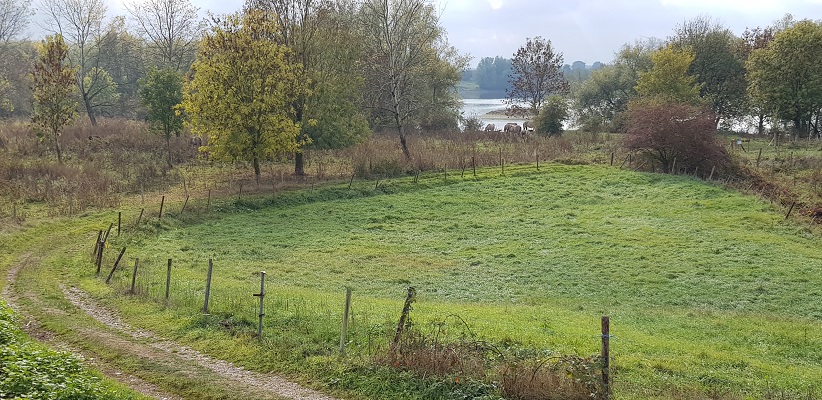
(148, 344)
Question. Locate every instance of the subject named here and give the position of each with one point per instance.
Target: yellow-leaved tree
(241, 89)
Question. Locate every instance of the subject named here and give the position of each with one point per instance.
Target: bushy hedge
(29, 370)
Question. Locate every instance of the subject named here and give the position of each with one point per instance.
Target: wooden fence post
(184, 205)
(162, 203)
(114, 268)
(789, 210)
(140, 218)
(208, 286)
(134, 275)
(606, 350)
(261, 295)
(346, 310)
(108, 232)
(168, 280)
(119, 221)
(758, 157)
(208, 203)
(412, 293)
(97, 243)
(474, 165)
(612, 159)
(101, 245)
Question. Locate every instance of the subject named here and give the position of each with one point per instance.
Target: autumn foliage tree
(242, 89)
(674, 134)
(53, 88)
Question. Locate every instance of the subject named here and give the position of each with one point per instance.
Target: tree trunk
(405, 147)
(168, 149)
(761, 126)
(89, 109)
(299, 163)
(256, 163)
(57, 147)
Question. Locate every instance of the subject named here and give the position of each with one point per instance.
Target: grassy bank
(710, 292)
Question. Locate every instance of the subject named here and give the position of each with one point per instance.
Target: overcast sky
(586, 30)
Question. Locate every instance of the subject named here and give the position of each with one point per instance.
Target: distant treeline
(493, 74)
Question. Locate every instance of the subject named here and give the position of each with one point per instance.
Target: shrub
(551, 116)
(472, 123)
(676, 135)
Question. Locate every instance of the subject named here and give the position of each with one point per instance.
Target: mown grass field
(711, 293)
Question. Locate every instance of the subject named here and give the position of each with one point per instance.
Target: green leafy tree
(161, 92)
(53, 86)
(669, 79)
(102, 91)
(537, 73)
(600, 100)
(786, 76)
(551, 116)
(718, 64)
(242, 90)
(492, 73)
(323, 38)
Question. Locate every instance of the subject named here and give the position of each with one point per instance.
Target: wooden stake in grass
(351, 181)
(168, 281)
(606, 349)
(162, 203)
(108, 232)
(412, 294)
(474, 165)
(119, 221)
(100, 246)
(134, 275)
(116, 263)
(208, 203)
(208, 286)
(612, 159)
(758, 157)
(142, 210)
(184, 205)
(261, 295)
(789, 210)
(346, 310)
(97, 242)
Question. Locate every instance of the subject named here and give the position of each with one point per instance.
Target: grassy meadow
(710, 292)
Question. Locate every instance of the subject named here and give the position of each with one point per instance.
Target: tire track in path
(254, 380)
(33, 329)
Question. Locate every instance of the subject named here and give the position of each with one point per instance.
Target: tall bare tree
(14, 17)
(172, 29)
(404, 42)
(80, 23)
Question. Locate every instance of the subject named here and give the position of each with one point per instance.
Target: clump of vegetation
(31, 371)
(676, 135)
(551, 116)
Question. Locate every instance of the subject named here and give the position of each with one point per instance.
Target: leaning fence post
(208, 285)
(140, 218)
(162, 203)
(261, 295)
(345, 320)
(101, 245)
(114, 268)
(108, 232)
(412, 293)
(119, 221)
(168, 280)
(134, 275)
(606, 336)
(184, 205)
(97, 243)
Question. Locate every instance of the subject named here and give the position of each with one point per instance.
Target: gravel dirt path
(149, 345)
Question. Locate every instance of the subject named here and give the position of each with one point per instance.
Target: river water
(480, 107)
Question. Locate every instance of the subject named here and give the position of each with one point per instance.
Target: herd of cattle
(512, 127)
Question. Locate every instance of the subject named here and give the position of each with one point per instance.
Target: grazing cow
(490, 128)
(195, 141)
